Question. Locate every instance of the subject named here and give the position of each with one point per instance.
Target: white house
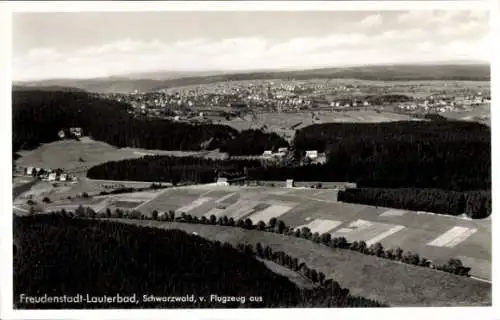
(52, 177)
(289, 183)
(312, 154)
(61, 134)
(267, 154)
(63, 177)
(222, 182)
(76, 131)
(282, 150)
(29, 171)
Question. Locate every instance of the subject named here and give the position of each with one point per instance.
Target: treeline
(171, 169)
(380, 100)
(274, 225)
(450, 155)
(39, 115)
(476, 204)
(254, 142)
(76, 256)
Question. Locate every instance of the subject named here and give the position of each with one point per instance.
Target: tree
(80, 211)
(272, 223)
(316, 238)
(377, 249)
(399, 254)
(363, 247)
(325, 238)
(213, 219)
(108, 212)
(154, 215)
(46, 200)
(321, 277)
(220, 221)
(120, 214)
(297, 233)
(249, 249)
(90, 213)
(240, 223)
(281, 226)
(171, 215)
(261, 225)
(248, 224)
(268, 252)
(259, 250)
(354, 246)
(32, 211)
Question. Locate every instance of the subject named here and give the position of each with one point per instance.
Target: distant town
(206, 103)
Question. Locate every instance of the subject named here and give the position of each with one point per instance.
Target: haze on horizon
(91, 45)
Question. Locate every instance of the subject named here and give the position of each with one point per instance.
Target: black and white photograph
(249, 159)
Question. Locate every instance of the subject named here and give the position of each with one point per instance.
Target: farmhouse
(289, 183)
(29, 171)
(76, 131)
(222, 182)
(51, 177)
(282, 150)
(267, 154)
(63, 177)
(61, 134)
(312, 154)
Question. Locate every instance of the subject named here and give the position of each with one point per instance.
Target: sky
(90, 44)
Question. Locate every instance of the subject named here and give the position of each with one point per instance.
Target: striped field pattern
(274, 211)
(384, 235)
(452, 237)
(434, 236)
(393, 213)
(368, 231)
(196, 203)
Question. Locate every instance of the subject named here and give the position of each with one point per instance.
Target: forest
(171, 169)
(476, 204)
(253, 142)
(75, 256)
(449, 155)
(39, 115)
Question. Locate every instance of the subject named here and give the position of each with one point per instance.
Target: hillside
(471, 72)
(38, 115)
(64, 256)
(396, 284)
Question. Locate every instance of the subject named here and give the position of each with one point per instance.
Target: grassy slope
(390, 282)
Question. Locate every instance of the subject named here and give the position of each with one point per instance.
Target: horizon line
(129, 75)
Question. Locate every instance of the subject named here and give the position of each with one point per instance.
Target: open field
(387, 281)
(480, 114)
(79, 156)
(436, 237)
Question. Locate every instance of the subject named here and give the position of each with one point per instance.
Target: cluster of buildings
(49, 174)
(259, 95)
(70, 132)
(206, 102)
(442, 103)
